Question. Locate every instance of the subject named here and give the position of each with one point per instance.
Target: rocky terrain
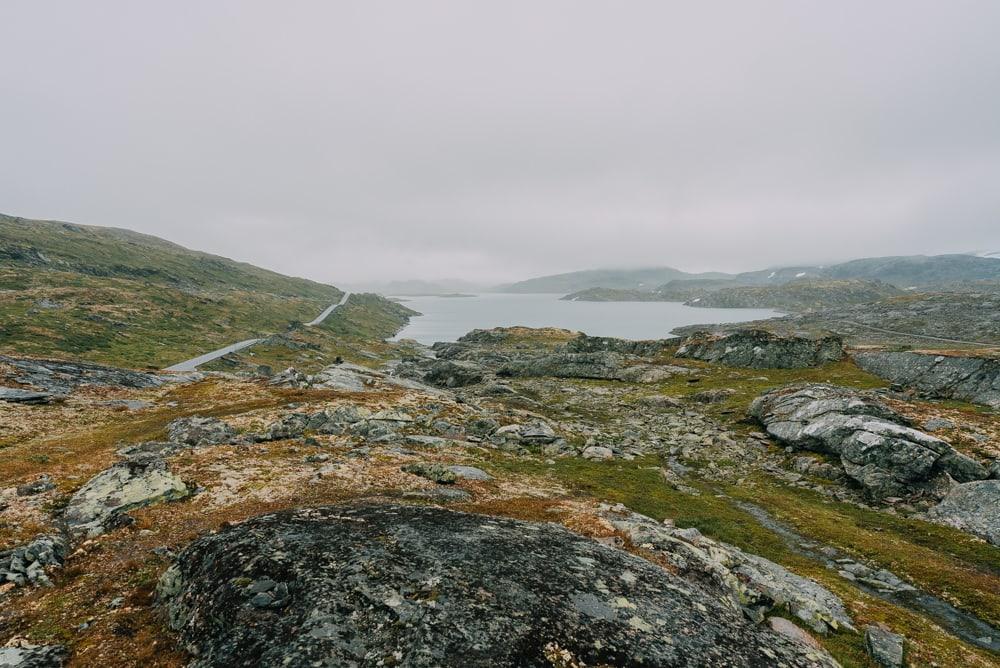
(955, 320)
(521, 497)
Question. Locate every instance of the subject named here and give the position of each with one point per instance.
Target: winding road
(193, 363)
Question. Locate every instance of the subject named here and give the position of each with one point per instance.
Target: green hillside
(119, 297)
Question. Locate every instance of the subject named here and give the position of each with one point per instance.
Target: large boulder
(972, 507)
(876, 446)
(760, 349)
(975, 379)
(132, 483)
(424, 586)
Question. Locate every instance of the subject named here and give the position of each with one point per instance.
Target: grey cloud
(367, 140)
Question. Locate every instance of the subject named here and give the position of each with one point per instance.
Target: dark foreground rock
(975, 379)
(760, 349)
(876, 446)
(421, 586)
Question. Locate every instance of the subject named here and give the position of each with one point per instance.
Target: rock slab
(423, 586)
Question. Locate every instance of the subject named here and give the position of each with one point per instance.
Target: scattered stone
(537, 432)
(126, 485)
(884, 646)
(938, 424)
(760, 349)
(598, 452)
(42, 484)
(433, 472)
(450, 589)
(661, 401)
(470, 473)
(200, 431)
(29, 563)
(713, 396)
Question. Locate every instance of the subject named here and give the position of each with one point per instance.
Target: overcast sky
(351, 141)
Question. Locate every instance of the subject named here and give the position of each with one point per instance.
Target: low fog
(370, 141)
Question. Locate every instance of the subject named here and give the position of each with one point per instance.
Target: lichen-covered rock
(423, 586)
(757, 584)
(972, 507)
(30, 563)
(760, 349)
(975, 379)
(198, 431)
(27, 655)
(133, 483)
(876, 446)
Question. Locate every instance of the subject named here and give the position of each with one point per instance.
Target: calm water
(447, 318)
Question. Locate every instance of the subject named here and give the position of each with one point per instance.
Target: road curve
(193, 363)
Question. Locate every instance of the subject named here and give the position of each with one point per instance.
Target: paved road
(194, 363)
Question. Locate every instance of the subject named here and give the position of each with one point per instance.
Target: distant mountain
(919, 270)
(618, 279)
(799, 295)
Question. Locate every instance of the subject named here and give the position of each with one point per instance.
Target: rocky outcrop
(876, 446)
(598, 366)
(60, 377)
(594, 344)
(760, 349)
(757, 584)
(199, 431)
(450, 589)
(139, 481)
(972, 507)
(446, 373)
(16, 395)
(30, 563)
(974, 379)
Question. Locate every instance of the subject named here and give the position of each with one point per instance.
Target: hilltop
(116, 296)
